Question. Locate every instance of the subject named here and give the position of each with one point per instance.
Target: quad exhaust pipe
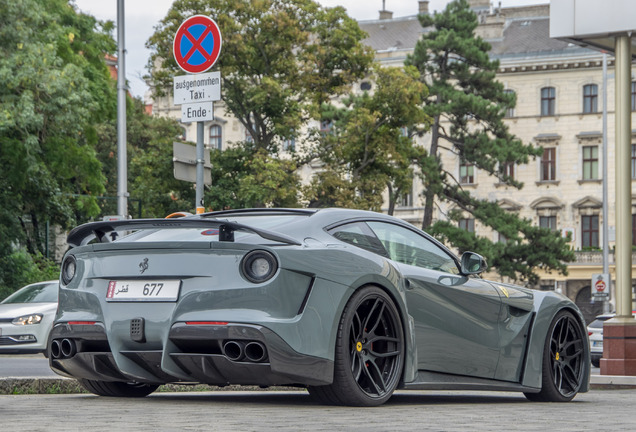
(63, 348)
(255, 352)
(252, 351)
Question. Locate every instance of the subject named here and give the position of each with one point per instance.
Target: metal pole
(606, 303)
(122, 159)
(623, 179)
(200, 161)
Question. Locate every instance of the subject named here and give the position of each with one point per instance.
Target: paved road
(25, 365)
(294, 411)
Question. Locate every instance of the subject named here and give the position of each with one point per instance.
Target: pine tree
(467, 105)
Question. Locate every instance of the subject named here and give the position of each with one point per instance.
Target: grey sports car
(350, 304)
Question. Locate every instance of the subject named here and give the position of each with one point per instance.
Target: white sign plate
(195, 112)
(205, 87)
(143, 290)
(601, 285)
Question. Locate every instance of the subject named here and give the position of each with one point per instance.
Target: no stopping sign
(197, 44)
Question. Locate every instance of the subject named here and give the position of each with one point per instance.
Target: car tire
(596, 362)
(563, 360)
(369, 353)
(117, 388)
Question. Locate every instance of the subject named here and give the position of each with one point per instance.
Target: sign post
(196, 48)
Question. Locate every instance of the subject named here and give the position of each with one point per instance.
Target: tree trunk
(429, 193)
(392, 199)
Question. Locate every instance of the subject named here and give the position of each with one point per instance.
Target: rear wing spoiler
(85, 233)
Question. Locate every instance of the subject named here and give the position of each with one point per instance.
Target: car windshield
(267, 222)
(38, 293)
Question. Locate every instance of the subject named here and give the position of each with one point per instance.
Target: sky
(141, 16)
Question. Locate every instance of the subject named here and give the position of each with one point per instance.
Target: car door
(456, 317)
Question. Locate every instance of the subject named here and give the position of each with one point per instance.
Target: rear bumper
(193, 353)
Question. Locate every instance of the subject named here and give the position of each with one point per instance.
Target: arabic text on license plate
(143, 290)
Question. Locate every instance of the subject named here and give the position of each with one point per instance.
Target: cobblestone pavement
(602, 410)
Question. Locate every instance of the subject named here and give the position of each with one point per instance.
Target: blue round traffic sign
(197, 44)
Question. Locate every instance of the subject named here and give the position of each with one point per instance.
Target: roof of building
(526, 31)
(390, 34)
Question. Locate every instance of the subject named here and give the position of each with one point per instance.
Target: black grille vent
(137, 330)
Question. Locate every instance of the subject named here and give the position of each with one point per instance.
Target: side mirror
(473, 263)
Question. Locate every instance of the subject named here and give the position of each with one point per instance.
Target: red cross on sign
(197, 44)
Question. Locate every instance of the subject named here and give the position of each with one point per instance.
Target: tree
(467, 105)
(368, 148)
(244, 177)
(55, 85)
(151, 183)
(280, 59)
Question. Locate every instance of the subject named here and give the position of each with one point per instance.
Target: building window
(406, 199)
(548, 222)
(216, 138)
(548, 164)
(589, 231)
(633, 95)
(365, 86)
(548, 101)
(325, 127)
(590, 98)
(507, 169)
(289, 144)
(510, 111)
(466, 173)
(634, 161)
(183, 134)
(467, 225)
(501, 238)
(590, 162)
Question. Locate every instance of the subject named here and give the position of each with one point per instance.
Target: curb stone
(36, 385)
(17, 386)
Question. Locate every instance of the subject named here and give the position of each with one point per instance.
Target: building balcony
(595, 258)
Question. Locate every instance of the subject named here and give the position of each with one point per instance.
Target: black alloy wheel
(563, 360)
(369, 352)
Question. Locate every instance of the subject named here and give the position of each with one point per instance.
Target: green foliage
(527, 247)
(467, 105)
(244, 177)
(150, 168)
(280, 59)
(21, 268)
(55, 86)
(366, 150)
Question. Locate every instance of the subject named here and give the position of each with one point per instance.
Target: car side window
(408, 247)
(359, 234)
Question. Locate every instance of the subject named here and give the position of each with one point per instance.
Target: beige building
(559, 103)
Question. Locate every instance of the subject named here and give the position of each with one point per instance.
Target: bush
(21, 268)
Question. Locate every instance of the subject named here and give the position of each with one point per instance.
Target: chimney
(423, 7)
(386, 15)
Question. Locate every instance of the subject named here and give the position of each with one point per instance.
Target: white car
(26, 318)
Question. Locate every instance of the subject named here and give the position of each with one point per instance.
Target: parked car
(595, 332)
(26, 318)
(349, 304)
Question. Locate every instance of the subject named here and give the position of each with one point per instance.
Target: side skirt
(426, 380)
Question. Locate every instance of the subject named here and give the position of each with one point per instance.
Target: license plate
(597, 343)
(143, 290)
